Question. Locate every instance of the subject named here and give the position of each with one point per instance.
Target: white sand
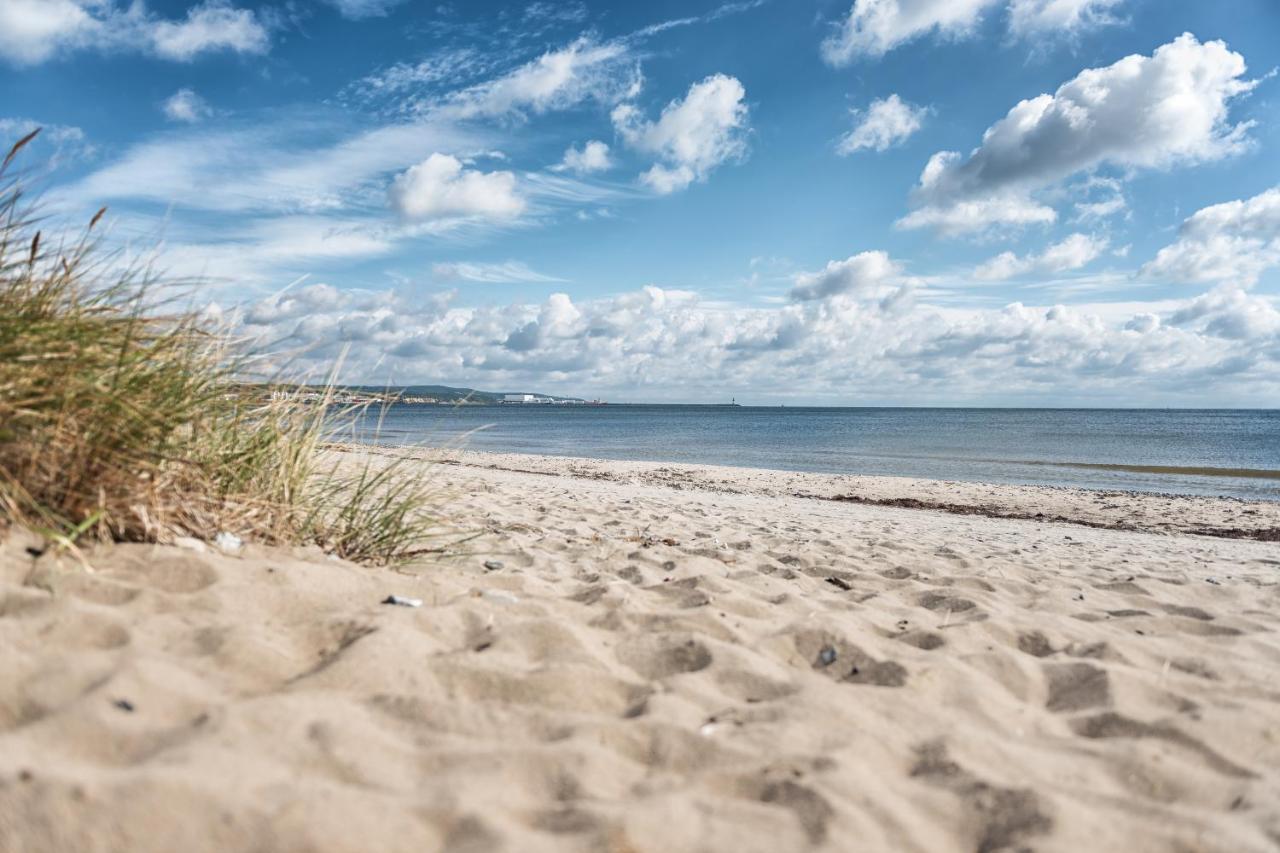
(669, 658)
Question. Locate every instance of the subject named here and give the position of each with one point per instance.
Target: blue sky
(1003, 202)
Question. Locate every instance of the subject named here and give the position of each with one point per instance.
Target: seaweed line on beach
(1261, 534)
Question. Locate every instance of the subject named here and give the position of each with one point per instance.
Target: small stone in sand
(493, 565)
(827, 656)
(401, 601)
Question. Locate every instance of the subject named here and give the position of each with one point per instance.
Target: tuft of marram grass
(120, 420)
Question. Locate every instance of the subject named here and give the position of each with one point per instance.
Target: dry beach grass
(124, 417)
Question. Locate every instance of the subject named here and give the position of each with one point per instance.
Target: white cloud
(559, 79)
(33, 31)
(214, 25)
(872, 28)
(287, 166)
(1028, 18)
(592, 157)
(440, 187)
(872, 274)
(692, 136)
(186, 106)
(1138, 113)
(886, 123)
(875, 27)
(1232, 314)
(1072, 253)
(359, 9)
(1233, 242)
(489, 273)
(962, 217)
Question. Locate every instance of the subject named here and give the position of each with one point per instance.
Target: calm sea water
(1216, 452)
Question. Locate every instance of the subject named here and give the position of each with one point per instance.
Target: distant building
(519, 398)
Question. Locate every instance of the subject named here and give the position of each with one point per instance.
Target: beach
(629, 656)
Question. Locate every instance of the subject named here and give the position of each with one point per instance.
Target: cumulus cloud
(887, 122)
(1072, 253)
(847, 345)
(214, 25)
(1230, 313)
(693, 135)
(359, 9)
(1139, 113)
(440, 187)
(592, 157)
(186, 106)
(867, 274)
(872, 28)
(1233, 242)
(33, 31)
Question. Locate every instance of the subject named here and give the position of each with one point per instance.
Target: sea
(1227, 452)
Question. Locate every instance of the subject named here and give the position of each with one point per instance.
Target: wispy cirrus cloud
(505, 272)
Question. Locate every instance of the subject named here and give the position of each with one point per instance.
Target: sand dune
(691, 660)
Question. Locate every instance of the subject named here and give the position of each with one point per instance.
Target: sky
(831, 202)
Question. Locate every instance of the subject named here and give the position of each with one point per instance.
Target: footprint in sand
(1002, 818)
(810, 808)
(657, 656)
(842, 661)
(1076, 687)
(926, 640)
(1036, 644)
(937, 601)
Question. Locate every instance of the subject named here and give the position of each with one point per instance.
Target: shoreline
(1135, 511)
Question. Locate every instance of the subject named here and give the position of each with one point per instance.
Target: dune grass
(123, 418)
